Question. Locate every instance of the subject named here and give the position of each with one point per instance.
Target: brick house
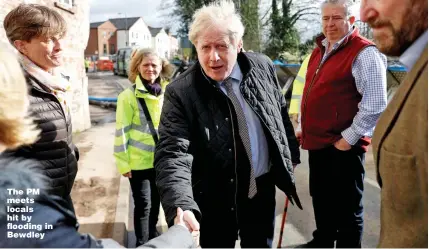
(102, 39)
(76, 13)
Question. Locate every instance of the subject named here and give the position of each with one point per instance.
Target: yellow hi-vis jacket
(298, 88)
(134, 145)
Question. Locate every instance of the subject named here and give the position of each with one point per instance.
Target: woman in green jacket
(137, 117)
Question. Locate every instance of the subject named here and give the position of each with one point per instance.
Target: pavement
(98, 160)
(96, 185)
(299, 223)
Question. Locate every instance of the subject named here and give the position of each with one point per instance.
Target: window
(66, 3)
(104, 48)
(137, 35)
(112, 48)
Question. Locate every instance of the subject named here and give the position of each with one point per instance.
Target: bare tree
(284, 35)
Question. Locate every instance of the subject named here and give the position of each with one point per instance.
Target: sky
(153, 15)
(102, 10)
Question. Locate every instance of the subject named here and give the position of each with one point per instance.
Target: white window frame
(66, 3)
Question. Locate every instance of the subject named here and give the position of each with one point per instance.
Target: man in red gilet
(344, 95)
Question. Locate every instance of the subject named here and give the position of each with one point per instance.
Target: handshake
(187, 219)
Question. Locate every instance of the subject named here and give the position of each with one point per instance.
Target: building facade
(132, 31)
(76, 13)
(174, 46)
(160, 42)
(102, 39)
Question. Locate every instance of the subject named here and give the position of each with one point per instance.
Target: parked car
(122, 62)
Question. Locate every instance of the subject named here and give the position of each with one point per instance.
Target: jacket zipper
(312, 81)
(67, 132)
(309, 89)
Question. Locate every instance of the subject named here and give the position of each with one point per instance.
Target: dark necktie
(244, 133)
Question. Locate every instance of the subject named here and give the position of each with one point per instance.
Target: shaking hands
(187, 219)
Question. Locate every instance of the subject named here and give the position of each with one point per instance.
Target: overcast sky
(102, 10)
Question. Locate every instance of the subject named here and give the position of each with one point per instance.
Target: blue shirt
(413, 53)
(258, 142)
(369, 72)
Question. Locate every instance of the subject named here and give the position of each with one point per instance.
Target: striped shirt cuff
(350, 136)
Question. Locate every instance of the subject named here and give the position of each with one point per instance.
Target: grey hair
(346, 4)
(221, 14)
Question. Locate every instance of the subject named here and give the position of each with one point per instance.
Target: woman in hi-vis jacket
(137, 117)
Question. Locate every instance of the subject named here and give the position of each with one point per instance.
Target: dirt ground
(96, 187)
(97, 194)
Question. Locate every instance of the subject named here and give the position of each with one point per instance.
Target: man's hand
(342, 144)
(179, 218)
(298, 135)
(128, 174)
(191, 221)
(187, 219)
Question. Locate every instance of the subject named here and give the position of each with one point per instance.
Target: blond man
(225, 138)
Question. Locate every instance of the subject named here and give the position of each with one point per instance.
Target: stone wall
(75, 43)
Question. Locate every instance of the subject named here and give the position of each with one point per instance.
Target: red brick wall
(92, 42)
(105, 32)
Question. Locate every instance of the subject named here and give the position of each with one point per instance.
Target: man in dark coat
(225, 138)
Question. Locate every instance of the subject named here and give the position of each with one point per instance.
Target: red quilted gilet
(330, 99)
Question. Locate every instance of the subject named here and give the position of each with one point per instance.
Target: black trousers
(336, 187)
(146, 204)
(254, 221)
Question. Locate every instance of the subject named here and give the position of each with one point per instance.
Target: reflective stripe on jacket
(298, 87)
(134, 145)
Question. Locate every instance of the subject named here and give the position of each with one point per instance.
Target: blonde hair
(16, 128)
(221, 14)
(28, 21)
(137, 58)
